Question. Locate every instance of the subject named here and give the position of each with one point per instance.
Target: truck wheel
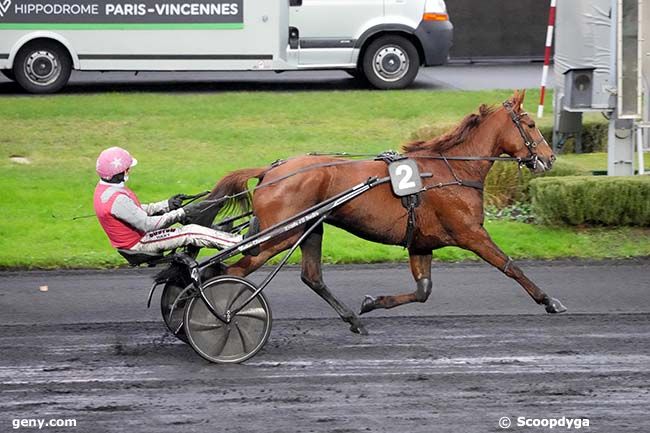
(354, 73)
(42, 67)
(9, 73)
(358, 75)
(391, 62)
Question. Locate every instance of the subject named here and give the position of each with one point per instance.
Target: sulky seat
(136, 258)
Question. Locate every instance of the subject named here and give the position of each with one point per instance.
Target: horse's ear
(518, 99)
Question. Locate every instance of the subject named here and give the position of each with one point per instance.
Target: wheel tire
(9, 73)
(391, 62)
(177, 293)
(233, 342)
(358, 75)
(174, 321)
(42, 67)
(354, 73)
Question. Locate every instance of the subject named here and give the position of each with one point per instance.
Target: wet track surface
(477, 351)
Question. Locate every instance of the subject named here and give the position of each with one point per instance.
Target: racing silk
(124, 219)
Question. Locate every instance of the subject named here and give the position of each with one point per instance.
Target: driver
(145, 228)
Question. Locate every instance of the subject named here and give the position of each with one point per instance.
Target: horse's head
(520, 137)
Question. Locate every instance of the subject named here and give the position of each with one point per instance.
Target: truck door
(326, 28)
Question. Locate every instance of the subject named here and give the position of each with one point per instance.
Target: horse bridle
(531, 144)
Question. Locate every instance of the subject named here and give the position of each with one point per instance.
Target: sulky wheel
(232, 342)
(175, 295)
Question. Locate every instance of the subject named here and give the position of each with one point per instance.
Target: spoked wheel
(173, 300)
(221, 342)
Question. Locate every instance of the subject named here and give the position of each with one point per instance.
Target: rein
(441, 157)
(531, 161)
(215, 202)
(457, 181)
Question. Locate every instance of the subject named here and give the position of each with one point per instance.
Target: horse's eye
(531, 125)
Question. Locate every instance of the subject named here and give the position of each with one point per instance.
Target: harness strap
(472, 184)
(390, 156)
(410, 202)
(507, 266)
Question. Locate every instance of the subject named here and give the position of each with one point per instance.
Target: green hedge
(504, 186)
(577, 200)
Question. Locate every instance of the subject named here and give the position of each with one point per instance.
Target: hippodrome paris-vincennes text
(128, 9)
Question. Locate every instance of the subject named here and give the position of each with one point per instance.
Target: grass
(588, 161)
(185, 143)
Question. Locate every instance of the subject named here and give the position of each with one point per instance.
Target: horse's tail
(236, 184)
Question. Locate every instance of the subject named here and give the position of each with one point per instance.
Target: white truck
(382, 41)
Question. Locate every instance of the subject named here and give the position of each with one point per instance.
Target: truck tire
(9, 73)
(42, 67)
(391, 62)
(354, 73)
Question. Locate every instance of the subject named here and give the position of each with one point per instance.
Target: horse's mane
(454, 137)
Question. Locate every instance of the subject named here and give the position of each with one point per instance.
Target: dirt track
(412, 374)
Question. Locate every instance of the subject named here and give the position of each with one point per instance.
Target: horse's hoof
(554, 306)
(368, 304)
(358, 329)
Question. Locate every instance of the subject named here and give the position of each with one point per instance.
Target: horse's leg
(249, 264)
(479, 242)
(312, 275)
(421, 270)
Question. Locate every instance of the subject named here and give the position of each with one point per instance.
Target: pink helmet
(112, 161)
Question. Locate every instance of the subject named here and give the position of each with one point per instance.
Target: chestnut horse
(447, 216)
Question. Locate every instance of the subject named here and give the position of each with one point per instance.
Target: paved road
(452, 77)
(477, 351)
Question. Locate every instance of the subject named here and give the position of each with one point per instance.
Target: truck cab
(383, 41)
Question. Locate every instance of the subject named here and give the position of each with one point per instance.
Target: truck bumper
(436, 39)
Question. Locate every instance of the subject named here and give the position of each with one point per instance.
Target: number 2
(405, 182)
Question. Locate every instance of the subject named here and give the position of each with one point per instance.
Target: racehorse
(450, 212)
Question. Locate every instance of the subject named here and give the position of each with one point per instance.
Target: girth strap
(410, 203)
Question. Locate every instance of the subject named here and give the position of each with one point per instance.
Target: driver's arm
(157, 208)
(128, 211)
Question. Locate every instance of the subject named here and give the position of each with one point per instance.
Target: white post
(639, 148)
(620, 146)
(547, 57)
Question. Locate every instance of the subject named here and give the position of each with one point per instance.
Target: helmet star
(117, 163)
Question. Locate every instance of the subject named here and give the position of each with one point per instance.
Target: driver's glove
(176, 201)
(192, 211)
